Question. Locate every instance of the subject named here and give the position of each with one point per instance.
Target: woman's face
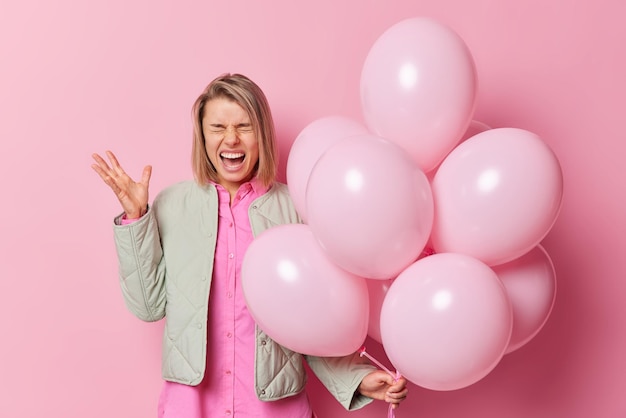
(231, 143)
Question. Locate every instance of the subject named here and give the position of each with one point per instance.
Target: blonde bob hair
(243, 91)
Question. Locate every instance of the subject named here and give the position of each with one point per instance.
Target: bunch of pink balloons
(423, 225)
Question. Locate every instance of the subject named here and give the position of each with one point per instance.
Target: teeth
(232, 155)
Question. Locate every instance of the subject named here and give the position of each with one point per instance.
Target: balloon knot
(428, 251)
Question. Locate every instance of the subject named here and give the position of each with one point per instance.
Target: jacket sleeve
(141, 269)
(342, 377)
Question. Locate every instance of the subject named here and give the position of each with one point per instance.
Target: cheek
(255, 149)
(256, 157)
(210, 149)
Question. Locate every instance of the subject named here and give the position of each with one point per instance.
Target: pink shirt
(228, 386)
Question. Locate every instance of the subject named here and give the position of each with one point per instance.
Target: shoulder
(276, 205)
(183, 196)
(280, 190)
(182, 189)
(278, 193)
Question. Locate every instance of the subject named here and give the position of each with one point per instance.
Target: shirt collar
(255, 184)
(258, 187)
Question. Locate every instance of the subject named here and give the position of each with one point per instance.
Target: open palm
(133, 196)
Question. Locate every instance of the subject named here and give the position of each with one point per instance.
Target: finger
(108, 180)
(106, 173)
(397, 395)
(396, 388)
(100, 161)
(398, 385)
(100, 172)
(115, 163)
(145, 176)
(394, 402)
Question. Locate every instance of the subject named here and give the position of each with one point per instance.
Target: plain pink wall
(83, 76)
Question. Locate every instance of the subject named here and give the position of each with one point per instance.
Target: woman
(180, 259)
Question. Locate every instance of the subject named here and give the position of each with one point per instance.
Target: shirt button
(228, 412)
(199, 325)
(263, 342)
(231, 225)
(231, 255)
(228, 372)
(229, 334)
(229, 295)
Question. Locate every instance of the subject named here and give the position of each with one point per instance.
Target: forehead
(224, 110)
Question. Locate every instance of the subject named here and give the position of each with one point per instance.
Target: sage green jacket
(166, 265)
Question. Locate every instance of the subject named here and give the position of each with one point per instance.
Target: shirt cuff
(127, 221)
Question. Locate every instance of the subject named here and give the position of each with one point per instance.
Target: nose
(231, 135)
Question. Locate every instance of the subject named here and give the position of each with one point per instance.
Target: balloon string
(396, 376)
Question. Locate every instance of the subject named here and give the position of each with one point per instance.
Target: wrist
(136, 214)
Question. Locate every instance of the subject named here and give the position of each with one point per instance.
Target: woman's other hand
(133, 196)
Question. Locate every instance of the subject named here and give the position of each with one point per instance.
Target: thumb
(384, 377)
(145, 176)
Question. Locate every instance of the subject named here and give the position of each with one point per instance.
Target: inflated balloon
(530, 282)
(369, 206)
(475, 127)
(496, 195)
(377, 290)
(418, 89)
(309, 146)
(446, 321)
(300, 298)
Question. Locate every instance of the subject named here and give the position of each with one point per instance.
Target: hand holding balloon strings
(396, 376)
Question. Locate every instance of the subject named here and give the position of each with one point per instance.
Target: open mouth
(232, 159)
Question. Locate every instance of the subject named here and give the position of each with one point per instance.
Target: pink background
(83, 76)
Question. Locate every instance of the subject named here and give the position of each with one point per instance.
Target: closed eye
(240, 129)
(244, 128)
(216, 128)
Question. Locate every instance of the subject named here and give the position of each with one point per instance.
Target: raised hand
(133, 196)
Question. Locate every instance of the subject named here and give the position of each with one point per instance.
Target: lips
(232, 159)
